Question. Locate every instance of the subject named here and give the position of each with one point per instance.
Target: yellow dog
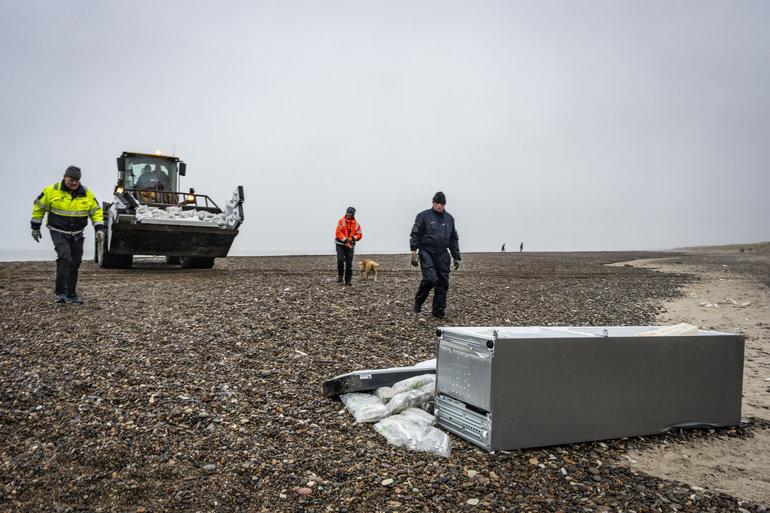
(369, 267)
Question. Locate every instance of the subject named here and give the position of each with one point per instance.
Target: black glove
(457, 264)
(415, 260)
(37, 235)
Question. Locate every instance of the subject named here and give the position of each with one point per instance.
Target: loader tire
(173, 260)
(197, 262)
(107, 261)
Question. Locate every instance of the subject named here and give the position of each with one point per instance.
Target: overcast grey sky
(567, 125)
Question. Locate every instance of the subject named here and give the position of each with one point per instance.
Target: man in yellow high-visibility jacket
(69, 206)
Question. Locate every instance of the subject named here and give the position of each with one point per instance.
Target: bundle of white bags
(177, 214)
(400, 414)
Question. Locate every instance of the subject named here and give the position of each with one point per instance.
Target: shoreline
(722, 300)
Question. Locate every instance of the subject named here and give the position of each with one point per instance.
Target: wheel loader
(149, 215)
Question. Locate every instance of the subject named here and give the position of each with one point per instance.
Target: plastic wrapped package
(432, 439)
(364, 407)
(397, 430)
(410, 398)
(402, 432)
(414, 382)
(418, 416)
(176, 213)
(385, 394)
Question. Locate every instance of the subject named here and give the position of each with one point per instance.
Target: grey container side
(466, 363)
(551, 391)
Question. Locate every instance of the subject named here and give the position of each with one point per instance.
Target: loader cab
(141, 171)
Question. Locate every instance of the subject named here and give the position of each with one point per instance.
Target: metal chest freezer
(518, 387)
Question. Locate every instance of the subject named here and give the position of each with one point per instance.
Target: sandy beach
(730, 294)
(184, 390)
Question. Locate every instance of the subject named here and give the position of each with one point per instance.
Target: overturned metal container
(511, 388)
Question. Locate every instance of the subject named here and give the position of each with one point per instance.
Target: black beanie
(439, 197)
(73, 172)
(351, 211)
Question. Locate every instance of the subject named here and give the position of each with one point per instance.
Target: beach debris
(385, 393)
(401, 431)
(414, 397)
(414, 383)
(146, 212)
(364, 407)
(372, 379)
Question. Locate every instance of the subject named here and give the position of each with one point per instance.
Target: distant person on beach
(502, 250)
(435, 236)
(521, 247)
(348, 232)
(69, 205)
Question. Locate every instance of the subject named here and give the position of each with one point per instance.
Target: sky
(591, 125)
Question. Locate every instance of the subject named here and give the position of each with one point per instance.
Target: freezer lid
(528, 332)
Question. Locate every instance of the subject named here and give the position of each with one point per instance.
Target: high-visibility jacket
(68, 211)
(347, 229)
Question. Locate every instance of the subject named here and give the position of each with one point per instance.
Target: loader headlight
(191, 198)
(118, 190)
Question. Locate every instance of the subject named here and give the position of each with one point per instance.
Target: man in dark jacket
(435, 236)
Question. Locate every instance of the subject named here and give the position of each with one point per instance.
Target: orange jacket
(348, 229)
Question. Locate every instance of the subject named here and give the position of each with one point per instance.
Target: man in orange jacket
(347, 234)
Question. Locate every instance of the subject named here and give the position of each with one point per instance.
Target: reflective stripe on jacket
(68, 211)
(347, 229)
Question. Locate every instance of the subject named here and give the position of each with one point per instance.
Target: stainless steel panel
(465, 364)
(538, 386)
(470, 425)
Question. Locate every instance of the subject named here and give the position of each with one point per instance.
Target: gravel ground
(176, 390)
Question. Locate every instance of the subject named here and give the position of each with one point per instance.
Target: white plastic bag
(364, 407)
(431, 439)
(418, 416)
(402, 432)
(414, 382)
(410, 398)
(385, 394)
(397, 430)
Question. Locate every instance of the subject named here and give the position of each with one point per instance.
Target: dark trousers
(435, 275)
(69, 253)
(344, 262)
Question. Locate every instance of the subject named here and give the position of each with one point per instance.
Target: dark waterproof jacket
(435, 232)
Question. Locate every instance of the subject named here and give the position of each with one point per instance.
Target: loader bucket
(170, 239)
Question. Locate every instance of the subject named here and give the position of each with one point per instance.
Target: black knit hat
(351, 211)
(73, 172)
(439, 197)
